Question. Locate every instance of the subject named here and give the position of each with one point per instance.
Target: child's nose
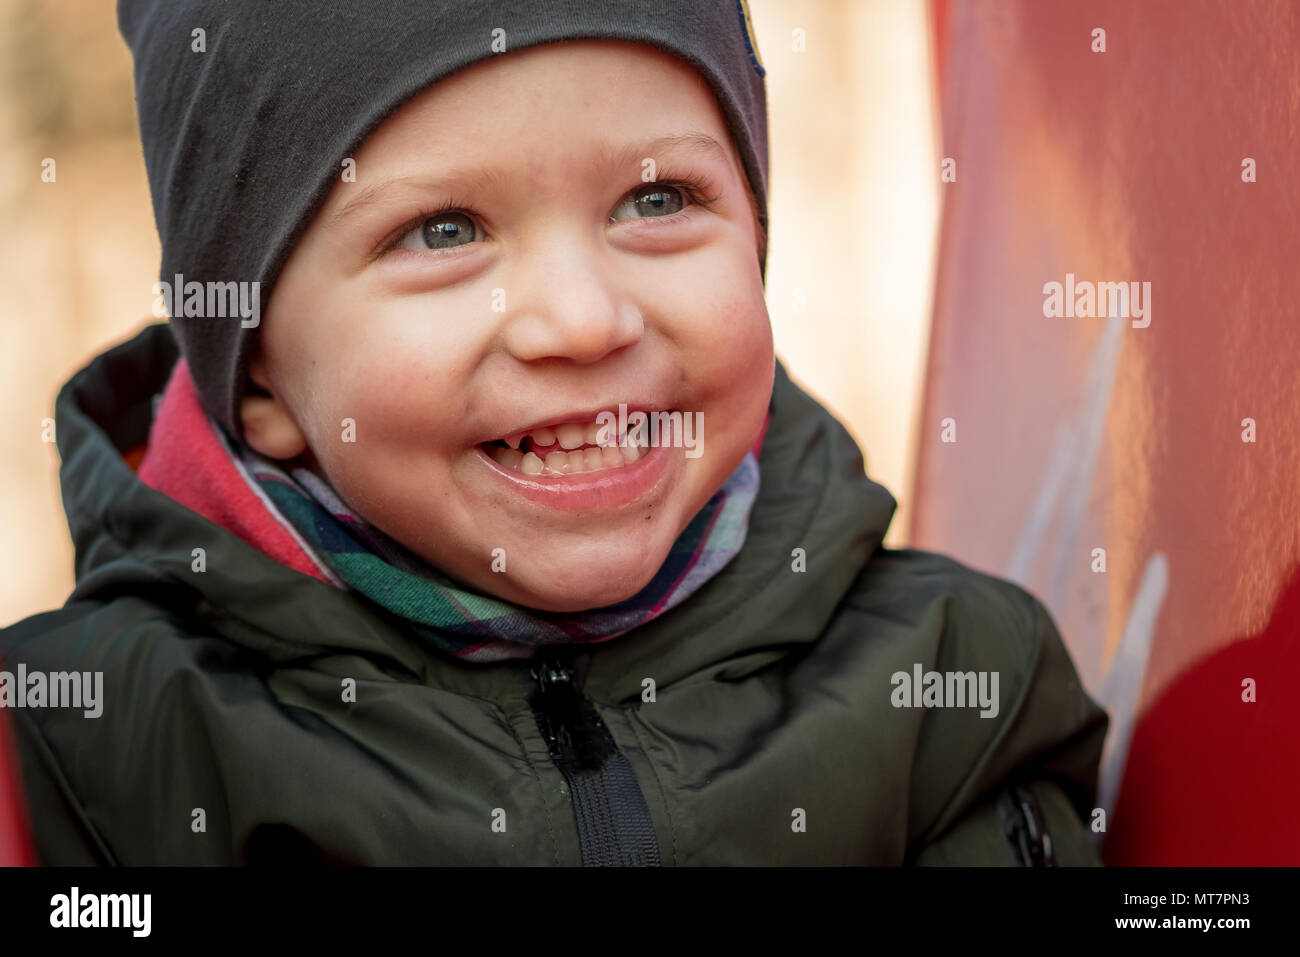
(567, 308)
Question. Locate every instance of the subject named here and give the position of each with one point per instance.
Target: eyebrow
(608, 157)
(692, 142)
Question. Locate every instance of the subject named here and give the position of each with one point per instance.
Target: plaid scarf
(476, 627)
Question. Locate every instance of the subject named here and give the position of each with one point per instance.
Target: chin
(586, 584)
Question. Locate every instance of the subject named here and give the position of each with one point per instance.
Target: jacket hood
(133, 540)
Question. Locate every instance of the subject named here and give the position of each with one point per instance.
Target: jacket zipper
(614, 824)
(1025, 829)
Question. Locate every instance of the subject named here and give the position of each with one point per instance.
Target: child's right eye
(442, 230)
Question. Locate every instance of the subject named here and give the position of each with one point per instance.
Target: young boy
(485, 527)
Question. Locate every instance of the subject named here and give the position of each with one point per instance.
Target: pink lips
(608, 488)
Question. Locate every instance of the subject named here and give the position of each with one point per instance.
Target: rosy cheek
(740, 334)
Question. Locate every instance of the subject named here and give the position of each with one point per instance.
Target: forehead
(576, 101)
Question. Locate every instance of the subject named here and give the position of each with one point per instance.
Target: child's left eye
(649, 201)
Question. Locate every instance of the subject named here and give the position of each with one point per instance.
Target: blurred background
(80, 255)
(933, 164)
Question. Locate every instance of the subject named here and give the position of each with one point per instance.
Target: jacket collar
(131, 538)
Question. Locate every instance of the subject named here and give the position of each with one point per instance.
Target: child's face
(562, 285)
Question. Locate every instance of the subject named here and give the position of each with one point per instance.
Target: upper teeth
(570, 435)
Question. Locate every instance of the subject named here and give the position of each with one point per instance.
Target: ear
(269, 425)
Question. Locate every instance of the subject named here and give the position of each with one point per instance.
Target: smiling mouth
(568, 449)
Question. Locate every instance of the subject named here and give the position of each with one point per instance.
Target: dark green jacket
(771, 736)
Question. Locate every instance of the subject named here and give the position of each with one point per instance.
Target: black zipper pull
(570, 725)
(1023, 825)
(614, 823)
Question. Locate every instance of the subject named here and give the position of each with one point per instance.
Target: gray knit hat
(218, 80)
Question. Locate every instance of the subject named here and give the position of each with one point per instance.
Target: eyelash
(700, 190)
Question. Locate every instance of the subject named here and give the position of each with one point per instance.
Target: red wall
(1080, 433)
